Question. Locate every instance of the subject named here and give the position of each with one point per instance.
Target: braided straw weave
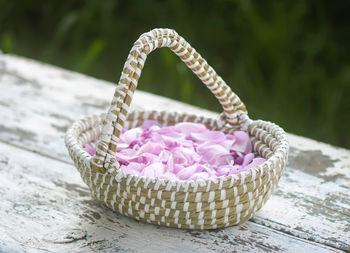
(202, 204)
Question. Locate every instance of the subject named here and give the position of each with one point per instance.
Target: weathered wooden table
(45, 206)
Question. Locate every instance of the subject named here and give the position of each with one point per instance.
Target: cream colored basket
(201, 204)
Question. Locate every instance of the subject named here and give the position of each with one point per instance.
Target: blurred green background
(289, 61)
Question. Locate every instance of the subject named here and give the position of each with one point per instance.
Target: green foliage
(287, 60)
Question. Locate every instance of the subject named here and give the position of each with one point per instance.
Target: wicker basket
(201, 204)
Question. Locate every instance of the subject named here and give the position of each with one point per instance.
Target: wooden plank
(39, 102)
(45, 206)
(311, 202)
(313, 197)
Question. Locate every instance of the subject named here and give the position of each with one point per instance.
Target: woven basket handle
(234, 110)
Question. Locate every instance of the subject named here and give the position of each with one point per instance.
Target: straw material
(202, 204)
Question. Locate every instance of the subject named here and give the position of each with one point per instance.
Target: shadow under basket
(201, 204)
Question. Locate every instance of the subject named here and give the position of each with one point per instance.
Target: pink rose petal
(151, 147)
(223, 171)
(126, 156)
(154, 170)
(169, 176)
(211, 137)
(187, 172)
(188, 127)
(236, 169)
(170, 131)
(248, 158)
(148, 158)
(130, 135)
(134, 168)
(170, 164)
(256, 161)
(149, 123)
(242, 142)
(212, 153)
(186, 151)
(90, 150)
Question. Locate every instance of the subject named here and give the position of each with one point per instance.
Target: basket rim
(114, 168)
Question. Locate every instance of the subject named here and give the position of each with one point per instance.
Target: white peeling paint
(40, 101)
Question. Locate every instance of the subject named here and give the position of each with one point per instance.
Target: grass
(288, 61)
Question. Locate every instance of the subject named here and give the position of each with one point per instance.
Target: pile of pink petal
(186, 151)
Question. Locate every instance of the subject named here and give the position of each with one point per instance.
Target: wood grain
(45, 206)
(310, 208)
